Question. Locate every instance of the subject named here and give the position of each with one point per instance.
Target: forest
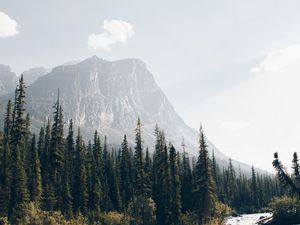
(57, 177)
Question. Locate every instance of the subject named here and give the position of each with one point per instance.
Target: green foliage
(115, 218)
(286, 210)
(205, 185)
(285, 179)
(33, 215)
(142, 211)
(53, 179)
(222, 211)
(80, 193)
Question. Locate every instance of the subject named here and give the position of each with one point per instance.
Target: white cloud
(114, 31)
(233, 126)
(8, 26)
(278, 59)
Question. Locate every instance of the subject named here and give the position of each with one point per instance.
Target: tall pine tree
(205, 189)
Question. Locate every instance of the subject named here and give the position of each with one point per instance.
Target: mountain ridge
(109, 96)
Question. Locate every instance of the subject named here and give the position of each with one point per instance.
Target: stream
(246, 219)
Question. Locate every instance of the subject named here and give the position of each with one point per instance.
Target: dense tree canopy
(65, 173)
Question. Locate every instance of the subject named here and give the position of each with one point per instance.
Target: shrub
(189, 218)
(114, 218)
(33, 215)
(221, 211)
(286, 210)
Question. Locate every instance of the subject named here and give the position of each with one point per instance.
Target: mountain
(110, 96)
(33, 74)
(8, 80)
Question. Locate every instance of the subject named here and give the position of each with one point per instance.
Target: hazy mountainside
(8, 80)
(33, 74)
(110, 96)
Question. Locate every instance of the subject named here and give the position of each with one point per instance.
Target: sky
(232, 65)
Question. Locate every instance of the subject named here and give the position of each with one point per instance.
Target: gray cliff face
(8, 80)
(109, 97)
(31, 75)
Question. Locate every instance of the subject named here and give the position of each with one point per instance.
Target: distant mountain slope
(110, 96)
(31, 75)
(8, 80)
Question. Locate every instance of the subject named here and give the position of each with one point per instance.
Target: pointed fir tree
(5, 161)
(296, 169)
(205, 189)
(126, 186)
(187, 183)
(284, 177)
(107, 203)
(175, 187)
(5, 176)
(19, 191)
(34, 176)
(18, 128)
(114, 182)
(8, 123)
(57, 154)
(254, 188)
(95, 195)
(80, 194)
(67, 176)
(148, 174)
(48, 196)
(139, 161)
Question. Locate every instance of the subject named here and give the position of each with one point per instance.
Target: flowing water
(247, 219)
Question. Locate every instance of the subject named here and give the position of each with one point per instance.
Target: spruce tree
(18, 128)
(187, 183)
(67, 183)
(232, 185)
(48, 198)
(175, 187)
(296, 169)
(69, 158)
(148, 174)
(205, 185)
(80, 194)
(161, 178)
(5, 161)
(5, 175)
(107, 203)
(126, 188)
(8, 123)
(254, 188)
(284, 177)
(95, 195)
(19, 191)
(114, 182)
(57, 154)
(34, 176)
(139, 161)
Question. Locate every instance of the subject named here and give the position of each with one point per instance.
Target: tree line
(62, 172)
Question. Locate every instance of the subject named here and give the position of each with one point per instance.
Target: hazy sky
(232, 65)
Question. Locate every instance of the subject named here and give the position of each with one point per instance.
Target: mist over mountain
(33, 74)
(8, 80)
(109, 96)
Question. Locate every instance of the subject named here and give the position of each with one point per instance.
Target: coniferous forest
(57, 177)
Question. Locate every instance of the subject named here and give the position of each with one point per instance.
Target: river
(246, 219)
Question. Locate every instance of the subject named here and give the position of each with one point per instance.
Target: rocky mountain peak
(109, 96)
